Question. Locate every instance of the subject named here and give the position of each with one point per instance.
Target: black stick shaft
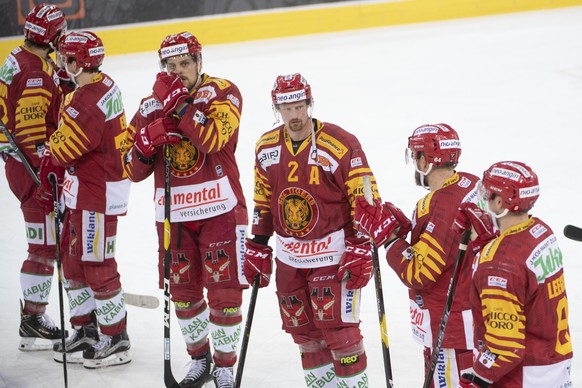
(382, 319)
(247, 333)
(447, 309)
(53, 180)
(369, 197)
(169, 379)
(20, 154)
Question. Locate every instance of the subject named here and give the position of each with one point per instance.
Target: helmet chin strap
(313, 142)
(423, 174)
(73, 76)
(494, 216)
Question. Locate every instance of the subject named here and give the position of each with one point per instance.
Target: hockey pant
(90, 270)
(207, 254)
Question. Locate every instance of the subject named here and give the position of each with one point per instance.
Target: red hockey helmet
(439, 142)
(45, 24)
(515, 182)
(183, 43)
(290, 88)
(84, 47)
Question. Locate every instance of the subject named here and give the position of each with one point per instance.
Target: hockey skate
(80, 340)
(109, 351)
(199, 373)
(39, 327)
(223, 376)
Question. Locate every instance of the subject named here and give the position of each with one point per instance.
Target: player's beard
(297, 125)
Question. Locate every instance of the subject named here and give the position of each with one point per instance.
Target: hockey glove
(170, 91)
(258, 261)
(374, 220)
(470, 380)
(403, 221)
(356, 263)
(469, 215)
(159, 132)
(44, 191)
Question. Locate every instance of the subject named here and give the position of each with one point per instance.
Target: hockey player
(88, 143)
(29, 108)
(425, 265)
(198, 117)
(308, 174)
(519, 300)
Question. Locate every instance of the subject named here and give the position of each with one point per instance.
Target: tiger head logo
(186, 159)
(297, 211)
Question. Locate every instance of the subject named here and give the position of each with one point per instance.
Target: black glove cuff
(143, 159)
(475, 379)
(261, 239)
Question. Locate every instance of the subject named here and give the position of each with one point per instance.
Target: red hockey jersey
(204, 175)
(307, 197)
(90, 143)
(425, 265)
(521, 310)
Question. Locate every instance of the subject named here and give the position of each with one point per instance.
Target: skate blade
(72, 358)
(34, 344)
(121, 358)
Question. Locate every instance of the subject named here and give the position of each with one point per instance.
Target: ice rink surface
(512, 87)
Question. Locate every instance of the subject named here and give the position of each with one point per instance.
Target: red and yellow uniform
(29, 106)
(521, 310)
(426, 265)
(208, 213)
(305, 193)
(89, 144)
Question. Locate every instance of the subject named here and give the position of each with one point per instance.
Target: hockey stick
(19, 153)
(145, 301)
(247, 333)
(139, 300)
(169, 379)
(379, 295)
(447, 309)
(573, 232)
(53, 180)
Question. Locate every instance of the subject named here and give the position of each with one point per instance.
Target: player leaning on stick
(198, 116)
(518, 293)
(307, 176)
(30, 98)
(85, 153)
(425, 265)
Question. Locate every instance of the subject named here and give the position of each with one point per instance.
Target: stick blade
(143, 301)
(573, 232)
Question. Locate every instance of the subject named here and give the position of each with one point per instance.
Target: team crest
(217, 267)
(179, 269)
(293, 310)
(322, 302)
(186, 159)
(298, 211)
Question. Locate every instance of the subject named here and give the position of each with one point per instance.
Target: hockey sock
(193, 320)
(36, 277)
(317, 364)
(225, 330)
(110, 311)
(81, 303)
